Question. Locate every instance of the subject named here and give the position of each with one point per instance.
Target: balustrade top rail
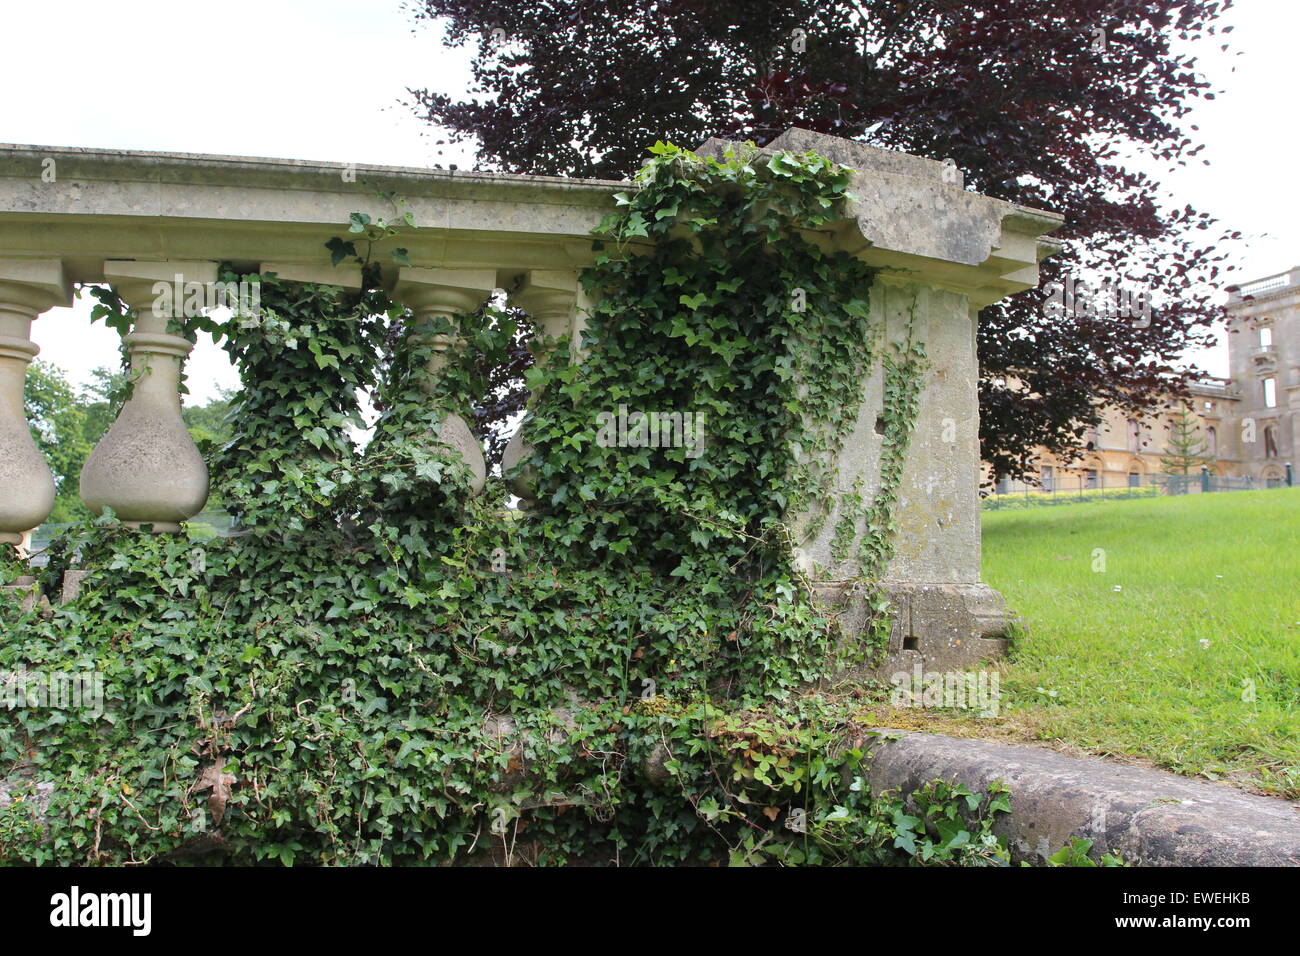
(83, 206)
(87, 205)
(1267, 284)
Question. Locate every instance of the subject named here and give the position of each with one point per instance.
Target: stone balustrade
(128, 219)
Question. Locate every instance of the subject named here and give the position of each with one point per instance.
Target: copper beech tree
(1037, 103)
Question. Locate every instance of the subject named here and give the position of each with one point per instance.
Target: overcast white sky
(323, 79)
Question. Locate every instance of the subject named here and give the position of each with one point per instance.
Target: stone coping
(1150, 817)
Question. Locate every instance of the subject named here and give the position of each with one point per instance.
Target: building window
(1091, 477)
(1134, 435)
(1212, 441)
(1265, 337)
(1045, 478)
(1270, 441)
(1270, 393)
(1091, 438)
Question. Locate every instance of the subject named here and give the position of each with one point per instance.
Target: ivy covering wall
(383, 669)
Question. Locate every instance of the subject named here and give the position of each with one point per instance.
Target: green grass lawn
(1184, 651)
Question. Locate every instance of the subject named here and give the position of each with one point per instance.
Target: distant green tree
(1186, 449)
(208, 423)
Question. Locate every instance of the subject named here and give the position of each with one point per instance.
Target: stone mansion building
(1249, 422)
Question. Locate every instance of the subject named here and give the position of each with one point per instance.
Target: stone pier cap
(85, 206)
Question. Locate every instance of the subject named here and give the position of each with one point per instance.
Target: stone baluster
(551, 298)
(27, 288)
(147, 467)
(442, 293)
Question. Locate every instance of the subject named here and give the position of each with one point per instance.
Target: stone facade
(1264, 376)
(1249, 421)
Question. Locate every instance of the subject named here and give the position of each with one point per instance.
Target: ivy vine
(382, 668)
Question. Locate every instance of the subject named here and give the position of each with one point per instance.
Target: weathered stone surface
(26, 590)
(16, 788)
(72, 585)
(147, 468)
(524, 483)
(654, 768)
(143, 205)
(941, 627)
(942, 254)
(1150, 817)
(455, 435)
(912, 214)
(951, 626)
(27, 491)
(25, 478)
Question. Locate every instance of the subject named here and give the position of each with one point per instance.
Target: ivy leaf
(636, 226)
(340, 250)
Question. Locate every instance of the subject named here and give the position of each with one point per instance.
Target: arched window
(1212, 440)
(1134, 435)
(1270, 441)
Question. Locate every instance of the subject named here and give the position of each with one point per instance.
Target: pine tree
(1186, 448)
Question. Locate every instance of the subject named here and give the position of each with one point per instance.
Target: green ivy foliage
(380, 668)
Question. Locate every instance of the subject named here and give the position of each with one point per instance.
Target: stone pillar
(147, 467)
(442, 293)
(27, 288)
(941, 254)
(551, 298)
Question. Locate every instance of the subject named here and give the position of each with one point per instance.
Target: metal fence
(1070, 489)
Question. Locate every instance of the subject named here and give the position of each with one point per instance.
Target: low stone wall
(30, 591)
(26, 589)
(1150, 817)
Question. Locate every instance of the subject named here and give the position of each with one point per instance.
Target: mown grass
(1165, 629)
